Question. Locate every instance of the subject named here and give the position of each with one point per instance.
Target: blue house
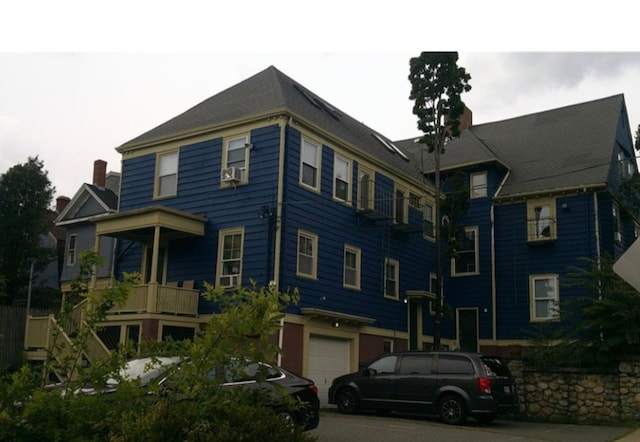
(543, 192)
(268, 182)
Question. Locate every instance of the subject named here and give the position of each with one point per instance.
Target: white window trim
(477, 191)
(72, 254)
(220, 261)
(348, 179)
(244, 174)
(318, 146)
(405, 205)
(396, 277)
(370, 204)
(356, 251)
(431, 236)
(156, 191)
(314, 258)
(532, 299)
(476, 257)
(532, 234)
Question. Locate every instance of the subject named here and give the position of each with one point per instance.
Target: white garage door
(328, 359)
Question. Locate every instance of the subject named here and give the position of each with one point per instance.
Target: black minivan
(453, 385)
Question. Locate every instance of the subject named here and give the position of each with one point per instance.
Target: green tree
(191, 406)
(25, 197)
(437, 83)
(598, 328)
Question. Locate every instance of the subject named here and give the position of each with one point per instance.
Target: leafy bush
(193, 407)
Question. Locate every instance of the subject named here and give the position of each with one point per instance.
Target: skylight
(390, 146)
(319, 103)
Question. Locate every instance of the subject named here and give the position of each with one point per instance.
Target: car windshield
(144, 369)
(494, 366)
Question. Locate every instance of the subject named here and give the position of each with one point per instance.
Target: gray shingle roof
(560, 148)
(272, 91)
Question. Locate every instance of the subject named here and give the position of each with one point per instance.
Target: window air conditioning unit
(617, 236)
(229, 281)
(230, 175)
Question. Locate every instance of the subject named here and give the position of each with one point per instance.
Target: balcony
(41, 332)
(375, 203)
(164, 299)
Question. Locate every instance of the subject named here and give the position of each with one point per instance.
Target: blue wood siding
(337, 224)
(517, 259)
(199, 192)
(85, 240)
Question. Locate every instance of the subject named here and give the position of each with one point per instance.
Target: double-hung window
(167, 174)
(307, 262)
(541, 219)
(310, 164)
(478, 185)
(351, 267)
(341, 179)
(71, 250)
(365, 189)
(465, 259)
(544, 297)
(391, 278)
(230, 257)
(428, 229)
(236, 156)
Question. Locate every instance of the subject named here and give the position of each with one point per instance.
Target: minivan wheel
(452, 410)
(347, 401)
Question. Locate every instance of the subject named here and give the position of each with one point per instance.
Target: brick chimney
(466, 119)
(99, 173)
(61, 203)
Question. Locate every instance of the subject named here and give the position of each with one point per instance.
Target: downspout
(494, 309)
(596, 226)
(278, 237)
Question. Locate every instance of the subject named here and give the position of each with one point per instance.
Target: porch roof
(140, 224)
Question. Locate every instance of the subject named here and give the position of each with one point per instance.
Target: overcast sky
(72, 97)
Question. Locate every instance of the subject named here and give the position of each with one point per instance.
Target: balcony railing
(146, 298)
(154, 298)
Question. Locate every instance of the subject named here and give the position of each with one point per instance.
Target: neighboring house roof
(561, 148)
(271, 92)
(78, 208)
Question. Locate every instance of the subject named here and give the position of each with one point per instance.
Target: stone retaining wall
(582, 396)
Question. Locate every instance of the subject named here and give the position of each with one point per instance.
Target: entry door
(468, 329)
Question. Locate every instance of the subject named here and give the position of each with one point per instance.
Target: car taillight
(485, 385)
(314, 389)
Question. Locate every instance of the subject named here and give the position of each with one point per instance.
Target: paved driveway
(335, 427)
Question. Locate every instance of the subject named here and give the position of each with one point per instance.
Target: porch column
(153, 278)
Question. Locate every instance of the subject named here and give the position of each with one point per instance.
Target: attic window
(319, 103)
(390, 146)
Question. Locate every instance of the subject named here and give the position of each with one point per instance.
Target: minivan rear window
(454, 365)
(496, 367)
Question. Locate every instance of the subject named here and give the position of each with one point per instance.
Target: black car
(453, 385)
(162, 371)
